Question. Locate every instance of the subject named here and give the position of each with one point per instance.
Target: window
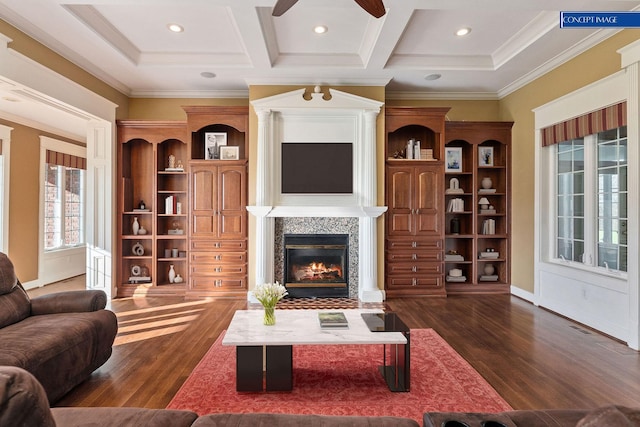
(570, 195)
(64, 178)
(591, 191)
(612, 199)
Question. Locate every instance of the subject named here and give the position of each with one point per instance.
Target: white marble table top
(295, 327)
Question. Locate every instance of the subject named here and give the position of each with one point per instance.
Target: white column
(265, 260)
(369, 289)
(368, 152)
(264, 192)
(368, 266)
(100, 205)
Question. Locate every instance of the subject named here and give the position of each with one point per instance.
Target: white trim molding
(5, 138)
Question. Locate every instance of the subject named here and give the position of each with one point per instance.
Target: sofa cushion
(14, 307)
(118, 417)
(611, 416)
(23, 402)
(60, 350)
(470, 419)
(289, 420)
(14, 301)
(8, 279)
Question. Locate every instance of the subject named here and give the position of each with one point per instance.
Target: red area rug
(344, 380)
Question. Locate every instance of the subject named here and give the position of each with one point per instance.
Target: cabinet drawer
(414, 269)
(209, 245)
(408, 282)
(409, 244)
(416, 256)
(199, 283)
(218, 257)
(217, 269)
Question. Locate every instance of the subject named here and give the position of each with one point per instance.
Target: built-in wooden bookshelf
(144, 183)
(190, 207)
(478, 235)
(415, 217)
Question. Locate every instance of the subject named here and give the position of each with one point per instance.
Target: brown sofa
(23, 403)
(60, 338)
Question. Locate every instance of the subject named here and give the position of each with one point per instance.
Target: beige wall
(171, 108)
(587, 68)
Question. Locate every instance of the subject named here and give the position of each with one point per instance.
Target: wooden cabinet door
(428, 204)
(400, 189)
(204, 205)
(232, 200)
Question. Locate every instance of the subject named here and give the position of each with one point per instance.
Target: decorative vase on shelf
(135, 227)
(486, 182)
(178, 279)
(489, 269)
(172, 274)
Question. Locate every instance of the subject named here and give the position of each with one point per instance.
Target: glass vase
(269, 316)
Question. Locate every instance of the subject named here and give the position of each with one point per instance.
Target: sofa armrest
(69, 302)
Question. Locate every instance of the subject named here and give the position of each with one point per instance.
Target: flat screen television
(317, 168)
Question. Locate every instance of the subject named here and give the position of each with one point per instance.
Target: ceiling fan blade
(374, 7)
(282, 6)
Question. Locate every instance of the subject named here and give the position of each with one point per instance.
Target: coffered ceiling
(228, 45)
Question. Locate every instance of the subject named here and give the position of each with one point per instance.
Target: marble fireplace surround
(343, 117)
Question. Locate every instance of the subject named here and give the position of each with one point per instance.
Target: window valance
(607, 118)
(67, 160)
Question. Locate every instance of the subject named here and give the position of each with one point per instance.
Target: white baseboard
(525, 295)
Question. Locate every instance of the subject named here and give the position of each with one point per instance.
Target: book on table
(333, 320)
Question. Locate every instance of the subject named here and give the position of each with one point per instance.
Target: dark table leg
(279, 368)
(249, 368)
(397, 373)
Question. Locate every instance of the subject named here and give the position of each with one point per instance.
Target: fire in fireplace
(316, 265)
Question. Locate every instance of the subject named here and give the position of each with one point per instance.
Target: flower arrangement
(269, 294)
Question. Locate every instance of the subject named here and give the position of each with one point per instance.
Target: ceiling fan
(373, 7)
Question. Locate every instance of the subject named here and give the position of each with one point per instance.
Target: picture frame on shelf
(453, 159)
(485, 156)
(212, 143)
(230, 153)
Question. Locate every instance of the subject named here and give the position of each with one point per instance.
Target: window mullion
(590, 200)
(63, 206)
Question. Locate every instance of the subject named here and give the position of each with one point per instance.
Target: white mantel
(344, 117)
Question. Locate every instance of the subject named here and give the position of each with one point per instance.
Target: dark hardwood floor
(533, 358)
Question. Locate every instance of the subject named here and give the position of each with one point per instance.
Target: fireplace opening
(316, 265)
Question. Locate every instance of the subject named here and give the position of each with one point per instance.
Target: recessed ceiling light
(208, 74)
(432, 76)
(320, 29)
(175, 28)
(463, 31)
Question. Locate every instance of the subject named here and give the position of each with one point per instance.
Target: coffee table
(264, 354)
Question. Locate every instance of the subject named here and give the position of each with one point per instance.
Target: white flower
(269, 293)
